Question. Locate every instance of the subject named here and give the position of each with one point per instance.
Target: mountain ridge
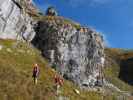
(66, 38)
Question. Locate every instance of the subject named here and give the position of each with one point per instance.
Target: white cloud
(106, 42)
(105, 37)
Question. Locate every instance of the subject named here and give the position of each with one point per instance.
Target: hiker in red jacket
(35, 73)
(58, 82)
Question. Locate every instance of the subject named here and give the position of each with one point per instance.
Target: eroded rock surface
(77, 53)
(15, 22)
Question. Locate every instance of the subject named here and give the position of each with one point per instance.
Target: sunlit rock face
(14, 21)
(78, 54)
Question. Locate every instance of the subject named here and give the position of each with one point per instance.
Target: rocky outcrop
(51, 11)
(15, 22)
(76, 52)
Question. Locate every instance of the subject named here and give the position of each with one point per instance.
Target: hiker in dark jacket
(35, 73)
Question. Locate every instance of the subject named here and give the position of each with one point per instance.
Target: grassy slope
(112, 70)
(16, 61)
(113, 56)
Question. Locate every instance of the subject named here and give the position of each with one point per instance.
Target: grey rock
(13, 19)
(77, 91)
(20, 51)
(9, 50)
(77, 54)
(1, 47)
(63, 98)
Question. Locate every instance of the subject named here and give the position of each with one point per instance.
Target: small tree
(51, 11)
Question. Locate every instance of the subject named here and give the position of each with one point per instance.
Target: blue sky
(113, 18)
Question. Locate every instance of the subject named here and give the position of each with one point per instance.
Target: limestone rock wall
(78, 54)
(14, 21)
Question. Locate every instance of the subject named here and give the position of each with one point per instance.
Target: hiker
(35, 73)
(58, 82)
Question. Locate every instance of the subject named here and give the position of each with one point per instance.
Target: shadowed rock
(126, 71)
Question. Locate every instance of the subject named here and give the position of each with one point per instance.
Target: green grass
(16, 77)
(112, 70)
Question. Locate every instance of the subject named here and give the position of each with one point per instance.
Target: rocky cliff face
(15, 22)
(76, 52)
